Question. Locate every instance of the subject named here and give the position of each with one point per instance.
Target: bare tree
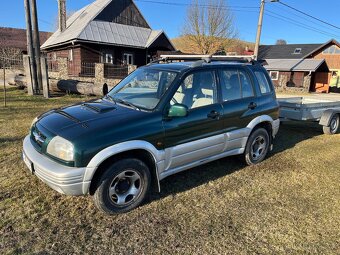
(209, 26)
(281, 42)
(8, 55)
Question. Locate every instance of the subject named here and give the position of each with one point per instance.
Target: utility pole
(259, 29)
(33, 88)
(36, 40)
(62, 15)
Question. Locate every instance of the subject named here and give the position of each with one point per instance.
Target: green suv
(158, 121)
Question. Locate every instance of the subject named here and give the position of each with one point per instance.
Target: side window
(197, 90)
(247, 87)
(230, 83)
(263, 82)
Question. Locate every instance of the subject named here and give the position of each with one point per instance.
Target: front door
(199, 134)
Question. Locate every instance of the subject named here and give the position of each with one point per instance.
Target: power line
(279, 8)
(299, 24)
(306, 14)
(200, 5)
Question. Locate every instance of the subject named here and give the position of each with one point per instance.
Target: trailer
(326, 112)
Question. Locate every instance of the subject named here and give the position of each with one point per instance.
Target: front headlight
(61, 148)
(33, 122)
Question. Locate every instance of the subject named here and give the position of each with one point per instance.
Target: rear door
(200, 134)
(239, 104)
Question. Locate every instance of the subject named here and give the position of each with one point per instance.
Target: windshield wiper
(110, 98)
(121, 101)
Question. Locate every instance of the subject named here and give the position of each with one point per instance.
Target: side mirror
(178, 110)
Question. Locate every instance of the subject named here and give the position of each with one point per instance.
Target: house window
(70, 55)
(274, 75)
(54, 56)
(108, 58)
(128, 59)
(297, 51)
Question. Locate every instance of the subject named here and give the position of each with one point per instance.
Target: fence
(115, 71)
(81, 70)
(15, 63)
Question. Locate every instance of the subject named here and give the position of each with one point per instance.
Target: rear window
(263, 82)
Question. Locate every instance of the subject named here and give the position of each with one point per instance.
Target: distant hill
(236, 46)
(16, 38)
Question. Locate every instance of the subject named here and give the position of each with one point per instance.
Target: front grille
(38, 137)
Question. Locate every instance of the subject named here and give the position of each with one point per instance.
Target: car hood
(76, 120)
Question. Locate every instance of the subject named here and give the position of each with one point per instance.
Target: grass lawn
(289, 204)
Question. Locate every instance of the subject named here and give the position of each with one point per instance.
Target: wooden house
(312, 67)
(107, 31)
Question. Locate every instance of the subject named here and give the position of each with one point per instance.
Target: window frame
(70, 55)
(129, 54)
(277, 75)
(214, 71)
(107, 55)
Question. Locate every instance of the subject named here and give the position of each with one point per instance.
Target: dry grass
(290, 203)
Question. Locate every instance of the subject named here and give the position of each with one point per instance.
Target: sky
(279, 21)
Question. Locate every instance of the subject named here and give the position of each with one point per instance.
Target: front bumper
(64, 179)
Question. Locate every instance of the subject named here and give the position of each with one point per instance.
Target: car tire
(257, 147)
(333, 127)
(123, 186)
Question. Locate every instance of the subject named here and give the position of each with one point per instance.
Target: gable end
(122, 12)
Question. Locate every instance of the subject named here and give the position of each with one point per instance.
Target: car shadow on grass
(290, 134)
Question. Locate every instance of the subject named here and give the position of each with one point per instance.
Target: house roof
(82, 26)
(287, 51)
(17, 38)
(118, 34)
(297, 65)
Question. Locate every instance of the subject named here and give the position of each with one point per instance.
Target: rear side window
(230, 82)
(263, 82)
(235, 84)
(247, 87)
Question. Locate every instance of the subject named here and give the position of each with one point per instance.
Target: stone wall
(303, 82)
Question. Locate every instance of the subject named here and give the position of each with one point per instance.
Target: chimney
(62, 15)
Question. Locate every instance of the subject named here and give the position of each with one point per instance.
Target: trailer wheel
(333, 126)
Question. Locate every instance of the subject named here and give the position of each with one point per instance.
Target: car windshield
(143, 88)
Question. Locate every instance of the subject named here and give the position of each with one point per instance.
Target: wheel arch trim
(113, 150)
(262, 119)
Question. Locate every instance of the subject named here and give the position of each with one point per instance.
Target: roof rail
(206, 58)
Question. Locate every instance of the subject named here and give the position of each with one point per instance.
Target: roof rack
(201, 59)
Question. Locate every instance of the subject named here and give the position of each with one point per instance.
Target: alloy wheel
(125, 188)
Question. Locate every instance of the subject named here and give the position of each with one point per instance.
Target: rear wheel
(257, 146)
(333, 126)
(123, 186)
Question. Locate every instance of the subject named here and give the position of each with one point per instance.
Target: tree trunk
(77, 87)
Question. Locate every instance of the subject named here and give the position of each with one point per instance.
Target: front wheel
(333, 126)
(257, 146)
(123, 186)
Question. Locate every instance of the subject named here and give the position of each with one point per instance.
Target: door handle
(252, 105)
(213, 115)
